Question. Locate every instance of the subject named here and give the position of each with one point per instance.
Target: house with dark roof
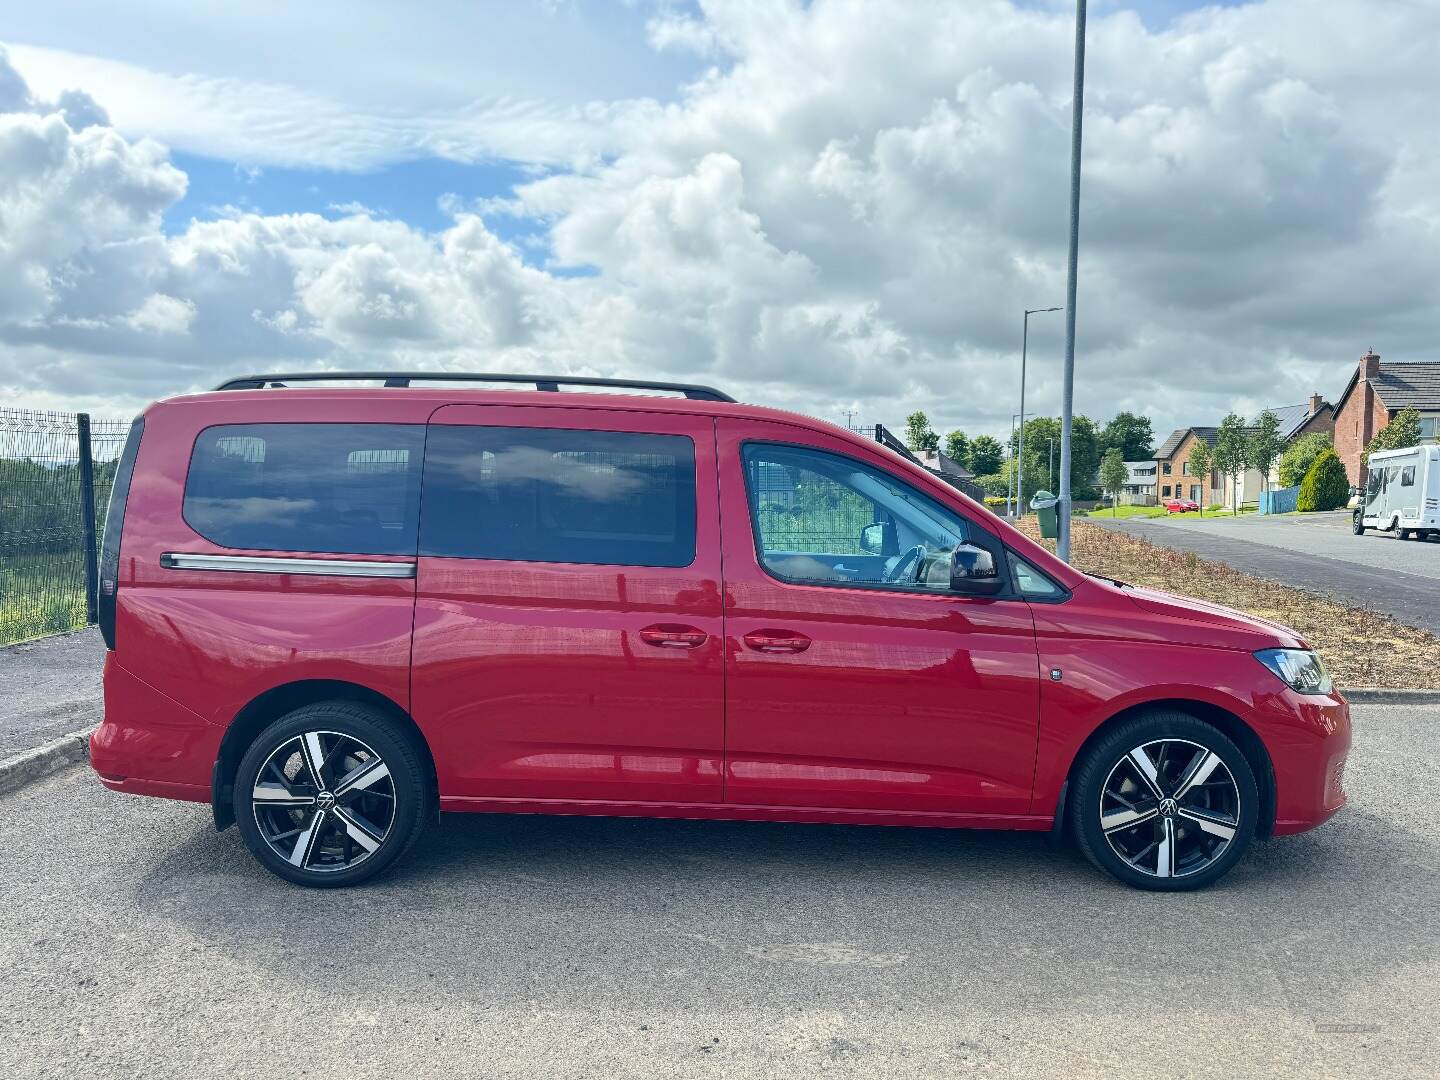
(1375, 393)
(1173, 479)
(1173, 457)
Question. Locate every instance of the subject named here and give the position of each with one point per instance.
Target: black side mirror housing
(878, 538)
(973, 572)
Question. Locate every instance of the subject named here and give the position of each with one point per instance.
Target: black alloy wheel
(1165, 801)
(330, 795)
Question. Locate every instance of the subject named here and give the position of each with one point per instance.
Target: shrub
(1295, 462)
(1325, 487)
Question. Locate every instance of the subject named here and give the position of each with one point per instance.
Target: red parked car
(1181, 506)
(332, 612)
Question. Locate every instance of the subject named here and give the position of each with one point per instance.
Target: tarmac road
(134, 940)
(1316, 552)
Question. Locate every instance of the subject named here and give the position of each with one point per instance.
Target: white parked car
(1402, 493)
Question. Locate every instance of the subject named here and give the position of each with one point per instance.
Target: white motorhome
(1402, 493)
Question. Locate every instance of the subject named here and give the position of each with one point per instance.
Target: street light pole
(1020, 446)
(1067, 408)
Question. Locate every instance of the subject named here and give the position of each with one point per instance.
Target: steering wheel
(905, 563)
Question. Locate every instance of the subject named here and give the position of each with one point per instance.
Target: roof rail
(405, 378)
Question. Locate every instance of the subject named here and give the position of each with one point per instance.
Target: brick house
(1375, 393)
(1316, 415)
(1172, 465)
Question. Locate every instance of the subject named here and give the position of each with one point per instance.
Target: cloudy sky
(829, 206)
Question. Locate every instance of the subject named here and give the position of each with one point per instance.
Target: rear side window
(559, 495)
(344, 488)
(1407, 476)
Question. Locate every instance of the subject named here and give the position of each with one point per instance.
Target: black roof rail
(551, 383)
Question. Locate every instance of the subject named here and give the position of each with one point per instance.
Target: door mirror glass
(973, 571)
(878, 538)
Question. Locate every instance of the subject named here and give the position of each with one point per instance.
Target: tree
(1264, 446)
(1131, 434)
(1232, 446)
(919, 435)
(1325, 487)
(1295, 462)
(1113, 475)
(957, 447)
(1202, 461)
(1084, 453)
(1400, 433)
(986, 453)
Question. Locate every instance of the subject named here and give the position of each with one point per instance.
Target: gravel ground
(135, 940)
(50, 687)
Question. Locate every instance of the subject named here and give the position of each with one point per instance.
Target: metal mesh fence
(51, 466)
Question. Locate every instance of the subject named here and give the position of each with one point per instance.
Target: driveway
(51, 687)
(1316, 552)
(136, 941)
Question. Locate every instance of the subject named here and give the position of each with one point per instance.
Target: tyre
(1406, 534)
(330, 795)
(1357, 525)
(1165, 801)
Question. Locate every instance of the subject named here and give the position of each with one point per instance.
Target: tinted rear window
(344, 488)
(559, 495)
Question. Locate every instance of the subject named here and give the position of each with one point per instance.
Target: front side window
(823, 518)
(558, 495)
(1407, 476)
(343, 488)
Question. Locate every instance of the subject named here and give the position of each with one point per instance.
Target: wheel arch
(274, 703)
(1238, 731)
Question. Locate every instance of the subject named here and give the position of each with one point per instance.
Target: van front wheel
(1165, 801)
(1357, 525)
(330, 795)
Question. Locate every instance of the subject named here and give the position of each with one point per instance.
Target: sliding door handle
(673, 636)
(777, 641)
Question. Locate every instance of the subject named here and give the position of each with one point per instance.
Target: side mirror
(878, 538)
(973, 572)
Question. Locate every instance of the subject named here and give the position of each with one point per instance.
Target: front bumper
(1308, 737)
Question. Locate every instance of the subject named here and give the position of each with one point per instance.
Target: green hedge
(1325, 487)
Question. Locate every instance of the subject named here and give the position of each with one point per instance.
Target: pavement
(1316, 552)
(135, 940)
(51, 687)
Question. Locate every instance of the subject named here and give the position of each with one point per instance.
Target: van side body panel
(211, 641)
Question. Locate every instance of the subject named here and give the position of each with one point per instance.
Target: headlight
(1299, 669)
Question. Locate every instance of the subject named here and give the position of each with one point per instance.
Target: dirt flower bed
(1361, 648)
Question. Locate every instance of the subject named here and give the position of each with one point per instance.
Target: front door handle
(673, 636)
(777, 641)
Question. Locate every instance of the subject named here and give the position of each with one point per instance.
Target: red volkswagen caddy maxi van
(332, 612)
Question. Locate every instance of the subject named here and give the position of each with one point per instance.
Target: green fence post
(87, 518)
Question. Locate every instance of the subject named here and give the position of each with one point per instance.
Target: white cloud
(846, 209)
(161, 314)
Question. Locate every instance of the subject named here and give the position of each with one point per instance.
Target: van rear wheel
(330, 795)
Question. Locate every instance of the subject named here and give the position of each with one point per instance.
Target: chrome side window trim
(262, 564)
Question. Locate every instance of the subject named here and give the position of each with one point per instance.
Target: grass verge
(1360, 647)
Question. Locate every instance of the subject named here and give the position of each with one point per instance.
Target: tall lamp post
(1067, 407)
(1020, 457)
(1012, 508)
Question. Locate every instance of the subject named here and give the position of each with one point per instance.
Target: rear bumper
(1309, 752)
(149, 744)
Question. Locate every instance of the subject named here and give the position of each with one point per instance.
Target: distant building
(1139, 487)
(1375, 393)
(1174, 479)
